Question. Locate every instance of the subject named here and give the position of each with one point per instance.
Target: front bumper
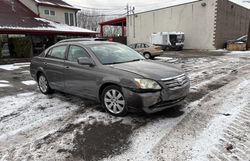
(152, 102)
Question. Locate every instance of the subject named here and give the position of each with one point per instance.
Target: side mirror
(85, 61)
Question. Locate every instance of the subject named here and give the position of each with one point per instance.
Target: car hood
(150, 69)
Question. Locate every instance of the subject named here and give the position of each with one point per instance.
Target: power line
(104, 15)
(101, 9)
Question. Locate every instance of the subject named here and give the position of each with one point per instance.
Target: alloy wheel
(114, 101)
(43, 84)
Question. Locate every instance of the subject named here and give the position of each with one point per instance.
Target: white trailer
(168, 40)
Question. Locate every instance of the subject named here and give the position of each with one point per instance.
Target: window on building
(69, 19)
(46, 12)
(66, 15)
(52, 13)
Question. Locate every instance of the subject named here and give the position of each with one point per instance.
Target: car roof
(87, 42)
(82, 39)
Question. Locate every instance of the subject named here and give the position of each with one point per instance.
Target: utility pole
(127, 19)
(130, 11)
(127, 7)
(248, 38)
(133, 12)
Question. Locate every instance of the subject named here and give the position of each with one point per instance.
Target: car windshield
(180, 37)
(115, 54)
(242, 38)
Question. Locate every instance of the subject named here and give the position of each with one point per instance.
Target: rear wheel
(147, 55)
(113, 101)
(43, 84)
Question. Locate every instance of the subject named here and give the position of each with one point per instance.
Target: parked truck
(168, 40)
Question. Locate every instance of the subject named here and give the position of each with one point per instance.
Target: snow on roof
(46, 25)
(21, 20)
(56, 3)
(62, 27)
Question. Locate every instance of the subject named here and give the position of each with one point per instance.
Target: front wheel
(113, 101)
(43, 84)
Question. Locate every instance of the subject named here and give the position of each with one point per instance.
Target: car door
(53, 65)
(79, 79)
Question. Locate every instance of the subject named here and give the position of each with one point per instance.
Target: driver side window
(76, 52)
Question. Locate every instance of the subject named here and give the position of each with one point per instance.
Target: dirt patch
(100, 141)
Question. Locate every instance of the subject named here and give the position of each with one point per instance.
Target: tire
(113, 101)
(147, 55)
(43, 84)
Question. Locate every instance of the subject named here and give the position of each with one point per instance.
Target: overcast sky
(118, 6)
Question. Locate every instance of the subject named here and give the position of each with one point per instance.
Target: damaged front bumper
(152, 102)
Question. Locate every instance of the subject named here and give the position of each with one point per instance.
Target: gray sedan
(112, 74)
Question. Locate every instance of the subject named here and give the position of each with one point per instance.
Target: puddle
(100, 141)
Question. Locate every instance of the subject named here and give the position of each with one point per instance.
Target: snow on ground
(239, 53)
(38, 127)
(148, 139)
(232, 105)
(14, 66)
(29, 82)
(4, 83)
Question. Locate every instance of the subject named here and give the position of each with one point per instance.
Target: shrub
(20, 47)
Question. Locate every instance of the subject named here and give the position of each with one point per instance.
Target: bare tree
(91, 19)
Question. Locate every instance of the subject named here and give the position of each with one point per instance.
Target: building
(207, 24)
(17, 20)
(56, 10)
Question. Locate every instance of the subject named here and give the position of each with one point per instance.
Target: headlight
(147, 84)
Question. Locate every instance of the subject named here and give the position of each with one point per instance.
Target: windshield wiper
(134, 60)
(113, 63)
(123, 62)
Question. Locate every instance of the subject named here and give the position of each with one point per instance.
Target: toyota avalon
(111, 73)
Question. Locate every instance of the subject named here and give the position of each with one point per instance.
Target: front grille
(175, 82)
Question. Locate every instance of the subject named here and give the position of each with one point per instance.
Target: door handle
(67, 67)
(45, 63)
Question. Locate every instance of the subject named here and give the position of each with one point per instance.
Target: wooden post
(248, 38)
(123, 29)
(101, 30)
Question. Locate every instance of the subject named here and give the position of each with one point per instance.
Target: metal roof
(115, 22)
(16, 18)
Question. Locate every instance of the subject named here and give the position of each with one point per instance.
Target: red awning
(115, 22)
